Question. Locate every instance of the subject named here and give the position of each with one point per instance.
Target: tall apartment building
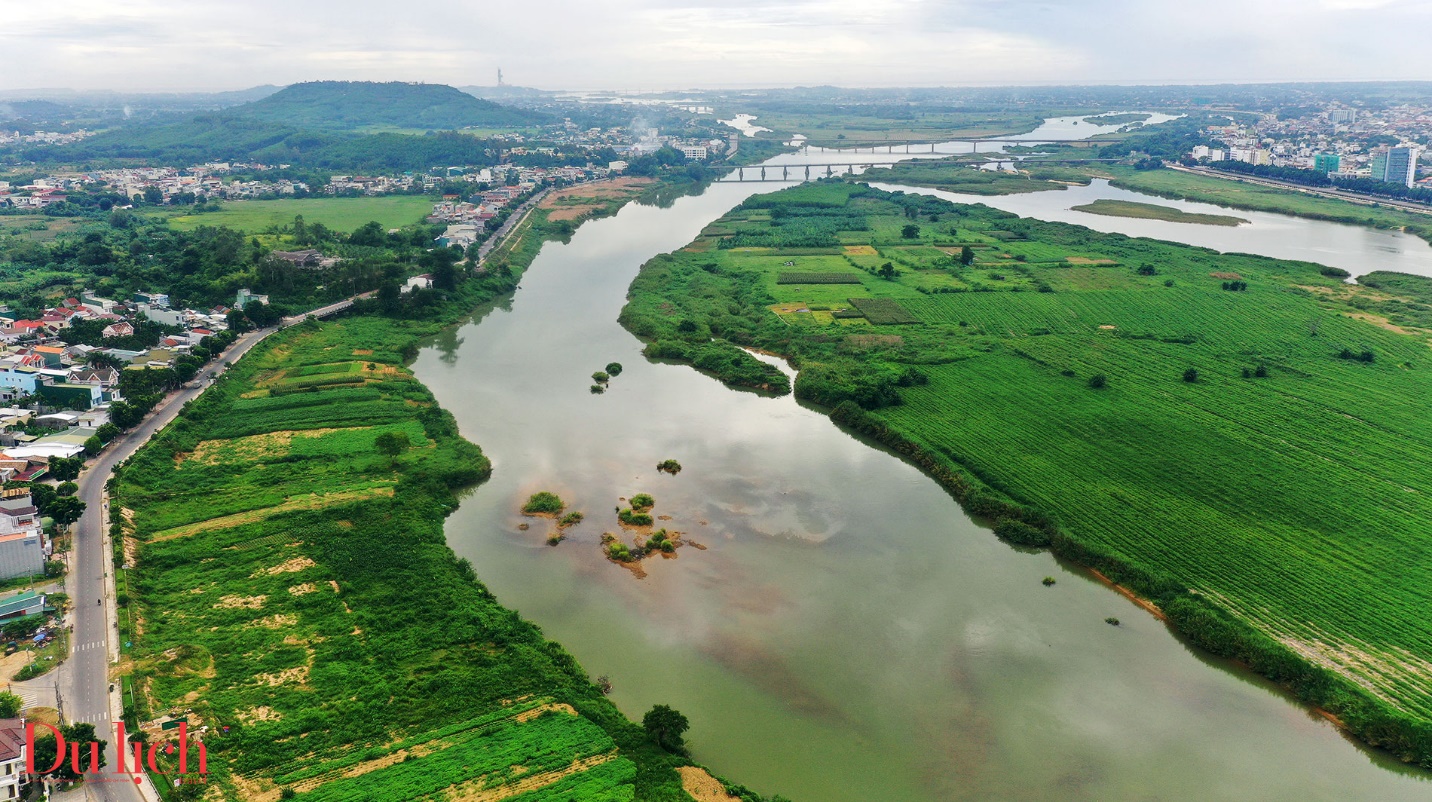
(1396, 165)
(1327, 162)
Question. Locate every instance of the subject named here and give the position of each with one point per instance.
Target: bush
(614, 368)
(1097, 381)
(1261, 371)
(633, 518)
(1021, 533)
(642, 502)
(670, 466)
(601, 377)
(543, 501)
(1190, 375)
(571, 519)
(1111, 621)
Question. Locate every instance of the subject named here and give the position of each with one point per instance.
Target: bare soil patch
(702, 787)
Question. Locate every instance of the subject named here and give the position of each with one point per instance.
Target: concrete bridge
(796, 172)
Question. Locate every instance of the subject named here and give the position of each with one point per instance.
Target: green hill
(362, 104)
(319, 124)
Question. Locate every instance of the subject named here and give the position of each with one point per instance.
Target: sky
(161, 45)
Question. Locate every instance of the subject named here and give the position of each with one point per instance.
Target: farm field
(292, 588)
(1241, 440)
(1151, 211)
(962, 174)
(339, 214)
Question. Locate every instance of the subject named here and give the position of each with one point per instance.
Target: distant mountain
(319, 125)
(348, 105)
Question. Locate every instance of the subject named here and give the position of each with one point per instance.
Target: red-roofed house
(12, 757)
(120, 329)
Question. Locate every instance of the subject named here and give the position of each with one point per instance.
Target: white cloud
(203, 44)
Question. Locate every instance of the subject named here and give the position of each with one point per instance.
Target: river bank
(843, 602)
(274, 469)
(877, 384)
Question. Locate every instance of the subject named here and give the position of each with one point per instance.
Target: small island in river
(1151, 211)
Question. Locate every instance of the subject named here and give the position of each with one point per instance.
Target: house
(422, 282)
(52, 355)
(245, 297)
(12, 757)
(151, 298)
(27, 603)
(120, 329)
(304, 258)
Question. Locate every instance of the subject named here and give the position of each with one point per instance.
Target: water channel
(847, 633)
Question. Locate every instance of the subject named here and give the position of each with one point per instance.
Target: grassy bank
(1150, 211)
(1241, 195)
(962, 174)
(1236, 438)
(339, 214)
(293, 589)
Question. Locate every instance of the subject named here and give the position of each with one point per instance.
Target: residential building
(12, 757)
(696, 152)
(21, 604)
(1396, 165)
(1327, 162)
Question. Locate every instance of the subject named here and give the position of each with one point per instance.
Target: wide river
(848, 634)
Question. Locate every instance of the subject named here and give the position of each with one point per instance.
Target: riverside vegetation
(289, 583)
(1106, 397)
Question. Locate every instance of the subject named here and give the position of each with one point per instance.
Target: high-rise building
(1342, 116)
(1327, 162)
(1396, 165)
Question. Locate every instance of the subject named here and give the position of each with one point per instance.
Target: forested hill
(312, 125)
(363, 104)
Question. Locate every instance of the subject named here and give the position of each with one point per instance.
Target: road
(1362, 200)
(84, 679)
(513, 220)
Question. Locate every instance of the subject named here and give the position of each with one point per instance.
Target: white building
(696, 152)
(12, 757)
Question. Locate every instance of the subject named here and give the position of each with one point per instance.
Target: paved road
(84, 679)
(513, 220)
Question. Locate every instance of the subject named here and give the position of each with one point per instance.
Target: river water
(847, 633)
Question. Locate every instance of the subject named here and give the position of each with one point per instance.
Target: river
(848, 633)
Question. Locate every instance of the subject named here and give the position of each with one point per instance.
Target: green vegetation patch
(883, 311)
(817, 278)
(1052, 394)
(1150, 211)
(338, 214)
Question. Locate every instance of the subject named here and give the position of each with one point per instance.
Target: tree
(613, 368)
(10, 705)
(392, 444)
(1190, 375)
(667, 727)
(93, 445)
(887, 271)
(66, 510)
(66, 469)
(967, 256)
(910, 231)
(67, 489)
(47, 752)
(1097, 381)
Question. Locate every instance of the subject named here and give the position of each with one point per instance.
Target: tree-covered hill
(310, 125)
(364, 104)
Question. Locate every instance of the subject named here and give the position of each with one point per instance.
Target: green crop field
(292, 588)
(1277, 507)
(339, 214)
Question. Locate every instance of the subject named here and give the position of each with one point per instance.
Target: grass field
(339, 214)
(1150, 211)
(837, 126)
(261, 604)
(962, 174)
(1277, 507)
(36, 227)
(1240, 195)
(291, 588)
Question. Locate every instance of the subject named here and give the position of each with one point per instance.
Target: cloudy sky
(138, 45)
